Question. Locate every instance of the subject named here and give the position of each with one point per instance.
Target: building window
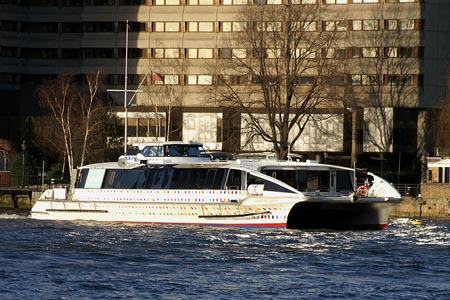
(132, 2)
(365, 25)
(307, 80)
(39, 53)
(205, 127)
(366, 1)
(132, 27)
(391, 24)
(232, 26)
(133, 53)
(364, 79)
(305, 53)
(399, 80)
(274, 53)
(7, 78)
(71, 53)
(403, 52)
(171, 79)
(199, 53)
(199, 79)
(406, 24)
(233, 80)
(309, 26)
(99, 2)
(166, 26)
(234, 2)
(200, 26)
(166, 2)
(370, 52)
(72, 27)
(239, 53)
(335, 1)
(268, 26)
(8, 25)
(42, 27)
(200, 2)
(99, 27)
(98, 53)
(166, 53)
(8, 52)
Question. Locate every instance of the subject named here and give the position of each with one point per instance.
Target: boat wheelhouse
(163, 152)
(238, 193)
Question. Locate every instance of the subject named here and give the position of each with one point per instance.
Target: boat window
(252, 179)
(317, 180)
(175, 150)
(133, 150)
(193, 151)
(158, 178)
(188, 178)
(94, 179)
(152, 151)
(273, 187)
(154, 179)
(287, 176)
(234, 180)
(344, 181)
(214, 179)
(81, 180)
(125, 179)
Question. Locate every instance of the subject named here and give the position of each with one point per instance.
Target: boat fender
(362, 191)
(122, 162)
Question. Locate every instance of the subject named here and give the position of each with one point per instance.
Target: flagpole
(125, 101)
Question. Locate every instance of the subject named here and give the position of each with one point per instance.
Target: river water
(81, 260)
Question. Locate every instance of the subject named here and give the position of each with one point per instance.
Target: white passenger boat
(305, 195)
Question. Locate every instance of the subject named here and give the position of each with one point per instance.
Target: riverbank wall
(433, 201)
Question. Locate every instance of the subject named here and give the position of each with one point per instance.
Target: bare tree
(74, 117)
(275, 71)
(59, 96)
(91, 110)
(384, 56)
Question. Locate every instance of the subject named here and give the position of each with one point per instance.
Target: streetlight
(24, 147)
(125, 104)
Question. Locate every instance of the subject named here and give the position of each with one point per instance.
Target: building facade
(394, 57)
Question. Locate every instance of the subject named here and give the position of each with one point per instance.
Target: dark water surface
(75, 260)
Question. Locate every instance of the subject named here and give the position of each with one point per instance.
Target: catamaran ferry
(303, 195)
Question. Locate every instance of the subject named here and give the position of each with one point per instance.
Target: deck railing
(408, 189)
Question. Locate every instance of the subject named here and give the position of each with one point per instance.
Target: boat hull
(293, 215)
(340, 216)
(227, 214)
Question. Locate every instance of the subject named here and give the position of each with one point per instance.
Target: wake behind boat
(304, 195)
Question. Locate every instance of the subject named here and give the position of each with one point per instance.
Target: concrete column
(423, 139)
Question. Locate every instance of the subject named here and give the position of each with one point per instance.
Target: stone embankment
(433, 202)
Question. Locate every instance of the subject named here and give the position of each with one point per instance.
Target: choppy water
(70, 260)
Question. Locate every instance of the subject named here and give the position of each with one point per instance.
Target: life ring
(362, 191)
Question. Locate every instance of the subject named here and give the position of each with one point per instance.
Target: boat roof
(190, 143)
(242, 164)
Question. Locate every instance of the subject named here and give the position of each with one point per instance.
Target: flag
(157, 77)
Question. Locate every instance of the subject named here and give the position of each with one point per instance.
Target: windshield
(133, 150)
(152, 151)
